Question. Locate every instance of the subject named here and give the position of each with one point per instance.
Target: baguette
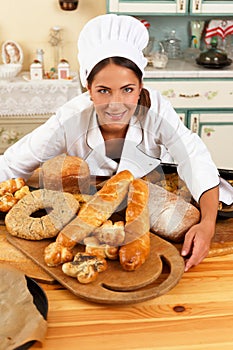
(137, 248)
(92, 214)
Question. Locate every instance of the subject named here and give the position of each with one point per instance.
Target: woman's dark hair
(144, 102)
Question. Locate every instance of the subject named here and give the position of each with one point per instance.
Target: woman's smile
(115, 92)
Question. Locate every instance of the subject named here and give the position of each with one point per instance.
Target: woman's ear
(89, 90)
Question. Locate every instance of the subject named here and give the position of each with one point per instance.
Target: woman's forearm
(209, 206)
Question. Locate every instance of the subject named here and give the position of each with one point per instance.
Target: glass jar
(172, 46)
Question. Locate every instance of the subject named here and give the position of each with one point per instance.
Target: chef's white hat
(108, 36)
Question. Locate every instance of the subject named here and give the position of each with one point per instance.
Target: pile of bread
(76, 217)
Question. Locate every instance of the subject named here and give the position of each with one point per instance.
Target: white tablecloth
(22, 97)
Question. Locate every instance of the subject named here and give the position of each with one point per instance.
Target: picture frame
(12, 52)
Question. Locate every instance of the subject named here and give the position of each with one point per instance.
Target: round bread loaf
(61, 208)
(66, 173)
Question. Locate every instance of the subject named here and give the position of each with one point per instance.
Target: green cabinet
(206, 107)
(166, 7)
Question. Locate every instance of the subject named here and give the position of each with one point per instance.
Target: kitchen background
(202, 97)
(28, 22)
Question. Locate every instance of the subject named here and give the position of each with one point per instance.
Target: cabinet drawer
(195, 93)
(14, 128)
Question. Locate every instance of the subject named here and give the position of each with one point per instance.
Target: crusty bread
(66, 173)
(170, 215)
(97, 210)
(137, 237)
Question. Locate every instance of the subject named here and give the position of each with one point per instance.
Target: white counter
(183, 69)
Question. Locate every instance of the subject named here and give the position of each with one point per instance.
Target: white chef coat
(74, 130)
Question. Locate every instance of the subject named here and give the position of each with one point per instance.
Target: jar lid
(213, 56)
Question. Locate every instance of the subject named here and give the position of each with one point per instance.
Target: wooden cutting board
(14, 257)
(161, 272)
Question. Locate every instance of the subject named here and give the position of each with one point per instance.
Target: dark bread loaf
(66, 173)
(170, 215)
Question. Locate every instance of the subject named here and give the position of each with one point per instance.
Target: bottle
(40, 56)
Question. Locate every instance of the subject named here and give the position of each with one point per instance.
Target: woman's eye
(103, 91)
(128, 89)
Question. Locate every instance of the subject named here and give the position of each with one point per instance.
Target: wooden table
(196, 314)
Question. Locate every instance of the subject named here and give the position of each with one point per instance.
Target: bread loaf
(59, 208)
(96, 211)
(170, 215)
(137, 236)
(66, 173)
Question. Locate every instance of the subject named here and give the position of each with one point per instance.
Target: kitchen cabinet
(147, 6)
(13, 128)
(162, 7)
(218, 7)
(206, 107)
(216, 130)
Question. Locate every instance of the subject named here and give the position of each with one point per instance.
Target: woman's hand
(198, 238)
(197, 243)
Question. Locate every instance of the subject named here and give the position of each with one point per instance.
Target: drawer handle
(189, 96)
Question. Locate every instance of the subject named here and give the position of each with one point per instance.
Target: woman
(118, 124)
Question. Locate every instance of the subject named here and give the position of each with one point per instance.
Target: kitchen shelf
(178, 69)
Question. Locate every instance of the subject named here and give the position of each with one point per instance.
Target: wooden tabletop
(196, 314)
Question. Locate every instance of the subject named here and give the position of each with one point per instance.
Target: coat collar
(133, 157)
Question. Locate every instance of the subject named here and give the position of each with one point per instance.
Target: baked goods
(85, 267)
(61, 207)
(7, 201)
(55, 252)
(170, 215)
(96, 211)
(111, 233)
(11, 185)
(66, 173)
(137, 248)
(10, 192)
(103, 250)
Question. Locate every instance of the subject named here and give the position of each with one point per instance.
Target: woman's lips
(116, 116)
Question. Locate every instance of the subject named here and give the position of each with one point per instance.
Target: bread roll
(66, 173)
(137, 248)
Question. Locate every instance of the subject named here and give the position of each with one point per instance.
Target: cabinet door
(14, 128)
(147, 6)
(216, 130)
(217, 7)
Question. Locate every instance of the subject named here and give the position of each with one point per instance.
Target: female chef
(118, 124)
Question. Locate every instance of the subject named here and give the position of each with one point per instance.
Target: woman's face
(115, 92)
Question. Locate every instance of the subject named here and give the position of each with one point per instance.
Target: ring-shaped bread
(61, 207)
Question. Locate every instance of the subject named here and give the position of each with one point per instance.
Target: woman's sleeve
(23, 157)
(194, 163)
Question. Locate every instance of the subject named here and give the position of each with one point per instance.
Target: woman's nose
(116, 97)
